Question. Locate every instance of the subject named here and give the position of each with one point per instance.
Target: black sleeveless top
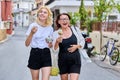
(66, 43)
(63, 52)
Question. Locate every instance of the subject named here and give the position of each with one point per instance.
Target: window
(17, 5)
(19, 17)
(26, 17)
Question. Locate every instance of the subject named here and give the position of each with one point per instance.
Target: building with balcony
(22, 11)
(25, 11)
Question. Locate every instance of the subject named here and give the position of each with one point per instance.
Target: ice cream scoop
(49, 39)
(60, 32)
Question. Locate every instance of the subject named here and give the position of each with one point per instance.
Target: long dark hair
(58, 18)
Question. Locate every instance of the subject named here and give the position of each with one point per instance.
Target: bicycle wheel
(113, 58)
(103, 53)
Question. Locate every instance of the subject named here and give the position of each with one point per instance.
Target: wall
(0, 10)
(2, 34)
(68, 9)
(95, 35)
(2, 31)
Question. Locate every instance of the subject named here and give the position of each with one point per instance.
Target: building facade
(2, 29)
(0, 11)
(61, 6)
(66, 6)
(6, 19)
(22, 11)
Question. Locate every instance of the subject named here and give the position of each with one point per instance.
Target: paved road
(14, 56)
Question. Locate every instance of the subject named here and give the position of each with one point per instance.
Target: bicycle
(110, 50)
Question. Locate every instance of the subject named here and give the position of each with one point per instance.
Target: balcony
(68, 3)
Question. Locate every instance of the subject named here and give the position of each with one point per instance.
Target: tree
(101, 7)
(74, 18)
(118, 6)
(83, 14)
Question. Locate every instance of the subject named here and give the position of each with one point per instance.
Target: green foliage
(101, 7)
(118, 7)
(82, 11)
(94, 53)
(83, 15)
(88, 23)
(119, 59)
(74, 17)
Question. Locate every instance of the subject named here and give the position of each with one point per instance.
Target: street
(14, 56)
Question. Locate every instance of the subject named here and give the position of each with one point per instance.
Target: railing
(107, 26)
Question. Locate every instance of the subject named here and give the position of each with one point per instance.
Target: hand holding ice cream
(60, 32)
(49, 39)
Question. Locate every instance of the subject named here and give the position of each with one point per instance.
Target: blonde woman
(40, 57)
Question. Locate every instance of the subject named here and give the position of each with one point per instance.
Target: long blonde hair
(49, 20)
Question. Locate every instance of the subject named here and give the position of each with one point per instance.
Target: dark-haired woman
(66, 43)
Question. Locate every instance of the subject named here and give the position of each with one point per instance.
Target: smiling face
(64, 21)
(43, 14)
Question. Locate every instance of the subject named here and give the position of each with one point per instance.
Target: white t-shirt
(38, 39)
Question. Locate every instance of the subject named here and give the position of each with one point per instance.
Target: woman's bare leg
(45, 73)
(74, 76)
(64, 77)
(35, 74)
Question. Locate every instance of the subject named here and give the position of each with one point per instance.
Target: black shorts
(69, 63)
(39, 58)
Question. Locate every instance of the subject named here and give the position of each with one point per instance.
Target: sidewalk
(8, 36)
(106, 64)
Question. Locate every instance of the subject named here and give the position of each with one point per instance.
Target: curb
(106, 64)
(4, 40)
(8, 36)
